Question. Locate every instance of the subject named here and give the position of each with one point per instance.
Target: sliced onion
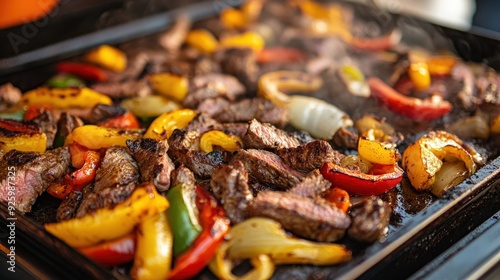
(355, 162)
(150, 106)
(472, 127)
(450, 175)
(319, 118)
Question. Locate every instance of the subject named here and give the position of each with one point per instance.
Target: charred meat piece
(242, 64)
(202, 164)
(67, 123)
(203, 123)
(26, 175)
(67, 208)
(115, 180)
(238, 129)
(267, 136)
(182, 175)
(234, 89)
(370, 219)
(345, 139)
(268, 168)
(154, 164)
(204, 66)
(9, 95)
(213, 106)
(126, 89)
(313, 185)
(309, 156)
(312, 219)
(183, 140)
(101, 112)
(230, 185)
(118, 168)
(260, 109)
(48, 123)
(208, 91)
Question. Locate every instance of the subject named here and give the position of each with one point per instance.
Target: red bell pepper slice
(125, 121)
(112, 253)
(340, 198)
(280, 55)
(87, 72)
(376, 44)
(79, 178)
(34, 111)
(215, 225)
(358, 183)
(419, 110)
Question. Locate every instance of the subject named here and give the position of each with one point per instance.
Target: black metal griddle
(415, 240)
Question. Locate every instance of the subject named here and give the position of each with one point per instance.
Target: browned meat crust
(313, 219)
(266, 136)
(313, 185)
(260, 109)
(230, 185)
(309, 156)
(370, 219)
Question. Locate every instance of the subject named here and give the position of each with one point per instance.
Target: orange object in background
(15, 12)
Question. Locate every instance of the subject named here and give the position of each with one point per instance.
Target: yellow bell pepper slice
(170, 85)
(65, 98)
(273, 85)
(97, 137)
(163, 126)
(202, 40)
(153, 255)
(110, 223)
(375, 151)
(424, 158)
(16, 135)
(441, 65)
(213, 138)
(246, 40)
(108, 57)
(419, 75)
(233, 19)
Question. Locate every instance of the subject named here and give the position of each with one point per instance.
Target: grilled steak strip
(230, 185)
(26, 175)
(312, 219)
(126, 89)
(266, 136)
(203, 123)
(309, 156)
(313, 185)
(48, 124)
(213, 106)
(268, 168)
(242, 64)
(154, 163)
(370, 219)
(68, 207)
(238, 129)
(260, 109)
(182, 175)
(67, 123)
(115, 180)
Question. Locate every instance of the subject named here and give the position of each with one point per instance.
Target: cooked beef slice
(345, 139)
(267, 136)
(67, 208)
(202, 164)
(242, 64)
(204, 65)
(370, 219)
(183, 140)
(125, 89)
(48, 124)
(26, 175)
(203, 123)
(309, 218)
(116, 178)
(229, 184)
(268, 168)
(238, 129)
(182, 175)
(9, 95)
(233, 89)
(154, 163)
(101, 112)
(213, 106)
(313, 185)
(309, 156)
(67, 123)
(260, 109)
